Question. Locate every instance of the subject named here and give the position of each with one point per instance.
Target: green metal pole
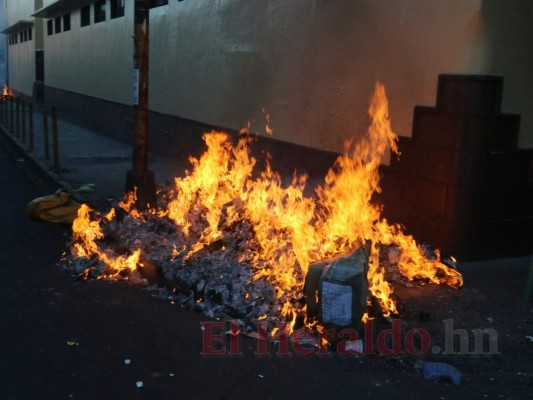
(17, 116)
(23, 121)
(12, 116)
(30, 122)
(54, 139)
(45, 136)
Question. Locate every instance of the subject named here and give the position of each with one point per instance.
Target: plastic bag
(435, 371)
(336, 290)
(344, 290)
(58, 208)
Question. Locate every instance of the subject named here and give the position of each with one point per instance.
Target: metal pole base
(144, 181)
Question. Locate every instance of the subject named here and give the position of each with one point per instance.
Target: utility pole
(140, 178)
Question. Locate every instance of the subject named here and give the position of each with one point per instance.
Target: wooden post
(139, 177)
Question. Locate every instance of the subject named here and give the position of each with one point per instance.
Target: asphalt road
(68, 339)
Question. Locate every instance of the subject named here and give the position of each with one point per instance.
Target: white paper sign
(336, 303)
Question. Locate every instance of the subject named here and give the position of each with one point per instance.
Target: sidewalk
(84, 157)
(87, 157)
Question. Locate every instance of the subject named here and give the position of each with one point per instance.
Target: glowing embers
(101, 263)
(237, 242)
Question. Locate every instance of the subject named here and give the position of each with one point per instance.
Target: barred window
(57, 23)
(85, 15)
(117, 8)
(99, 11)
(66, 22)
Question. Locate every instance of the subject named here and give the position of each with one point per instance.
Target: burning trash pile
(237, 243)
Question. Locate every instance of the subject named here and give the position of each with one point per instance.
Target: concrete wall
(17, 10)
(311, 64)
(21, 59)
(22, 67)
(94, 60)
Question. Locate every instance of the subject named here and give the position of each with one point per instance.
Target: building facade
(311, 64)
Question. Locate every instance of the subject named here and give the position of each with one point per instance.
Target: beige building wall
(21, 56)
(311, 64)
(94, 60)
(21, 67)
(17, 10)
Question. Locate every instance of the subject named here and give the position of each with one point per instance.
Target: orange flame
(86, 232)
(128, 204)
(290, 230)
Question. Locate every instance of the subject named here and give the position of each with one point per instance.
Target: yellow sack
(58, 208)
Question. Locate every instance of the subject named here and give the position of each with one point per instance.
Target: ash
(217, 280)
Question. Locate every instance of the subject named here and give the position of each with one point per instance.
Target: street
(64, 338)
(45, 311)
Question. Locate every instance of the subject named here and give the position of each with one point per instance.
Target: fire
(128, 205)
(5, 91)
(289, 230)
(86, 232)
